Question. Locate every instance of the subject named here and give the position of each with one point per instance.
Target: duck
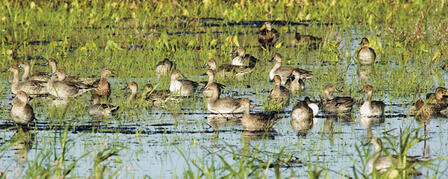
(388, 163)
(61, 88)
(268, 36)
(158, 97)
(30, 87)
(181, 87)
(215, 104)
(257, 121)
(101, 110)
(279, 93)
(366, 55)
(336, 104)
(313, 105)
(21, 112)
(39, 76)
(211, 75)
(52, 63)
(242, 59)
(369, 107)
(295, 83)
(133, 86)
(102, 86)
(228, 70)
(302, 117)
(285, 71)
(300, 38)
(163, 67)
(440, 96)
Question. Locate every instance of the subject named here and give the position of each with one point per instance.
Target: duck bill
(234, 52)
(263, 27)
(271, 60)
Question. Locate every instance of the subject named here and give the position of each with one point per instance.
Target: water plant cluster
(131, 37)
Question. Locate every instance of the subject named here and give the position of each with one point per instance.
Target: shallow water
(167, 142)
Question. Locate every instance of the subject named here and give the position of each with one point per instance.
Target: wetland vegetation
(185, 140)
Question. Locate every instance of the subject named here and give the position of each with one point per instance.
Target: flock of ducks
(287, 81)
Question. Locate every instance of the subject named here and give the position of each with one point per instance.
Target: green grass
(409, 37)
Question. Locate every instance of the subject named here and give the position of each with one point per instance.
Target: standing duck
(103, 89)
(215, 104)
(181, 87)
(268, 36)
(336, 104)
(279, 94)
(30, 87)
(257, 121)
(163, 67)
(285, 71)
(366, 55)
(21, 112)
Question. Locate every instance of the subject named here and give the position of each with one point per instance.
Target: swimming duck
(369, 107)
(279, 93)
(227, 70)
(302, 117)
(268, 36)
(336, 104)
(21, 112)
(313, 105)
(257, 121)
(181, 87)
(284, 71)
(101, 110)
(39, 76)
(242, 59)
(366, 55)
(158, 97)
(103, 89)
(307, 38)
(295, 83)
(30, 87)
(163, 67)
(215, 104)
(52, 63)
(211, 75)
(386, 163)
(61, 88)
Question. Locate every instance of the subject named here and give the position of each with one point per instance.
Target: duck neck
(16, 79)
(247, 110)
(210, 78)
(369, 97)
(53, 67)
(26, 73)
(276, 66)
(327, 95)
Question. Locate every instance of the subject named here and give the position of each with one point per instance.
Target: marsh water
(167, 142)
